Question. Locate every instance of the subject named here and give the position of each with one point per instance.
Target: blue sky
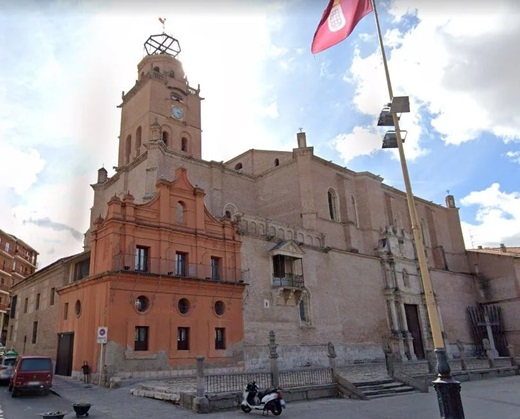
(65, 64)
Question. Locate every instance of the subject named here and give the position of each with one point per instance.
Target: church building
(193, 257)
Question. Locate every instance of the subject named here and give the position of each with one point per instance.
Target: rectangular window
(7, 247)
(25, 305)
(35, 332)
(14, 299)
(81, 269)
(183, 339)
(53, 291)
(220, 338)
(141, 338)
(215, 268)
(37, 304)
(65, 311)
(141, 259)
(181, 260)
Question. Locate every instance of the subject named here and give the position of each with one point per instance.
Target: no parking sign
(102, 334)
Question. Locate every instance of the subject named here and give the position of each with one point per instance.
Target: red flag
(338, 21)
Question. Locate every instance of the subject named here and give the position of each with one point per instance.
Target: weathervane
(163, 21)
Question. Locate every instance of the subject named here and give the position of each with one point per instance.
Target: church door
(64, 357)
(412, 318)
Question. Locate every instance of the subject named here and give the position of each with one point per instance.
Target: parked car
(31, 373)
(7, 367)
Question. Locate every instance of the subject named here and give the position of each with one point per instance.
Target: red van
(31, 373)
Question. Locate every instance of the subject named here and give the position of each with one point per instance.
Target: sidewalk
(116, 403)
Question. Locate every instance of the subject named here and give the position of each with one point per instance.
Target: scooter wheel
(245, 409)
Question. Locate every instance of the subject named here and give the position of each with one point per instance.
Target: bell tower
(161, 95)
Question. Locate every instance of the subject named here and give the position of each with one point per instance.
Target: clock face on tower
(177, 112)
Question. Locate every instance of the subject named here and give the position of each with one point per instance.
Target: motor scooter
(270, 400)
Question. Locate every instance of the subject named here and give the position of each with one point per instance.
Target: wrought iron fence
(173, 267)
(306, 377)
(224, 383)
(288, 280)
(227, 383)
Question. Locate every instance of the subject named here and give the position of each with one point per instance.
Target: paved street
(493, 398)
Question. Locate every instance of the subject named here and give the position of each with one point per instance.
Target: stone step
(384, 388)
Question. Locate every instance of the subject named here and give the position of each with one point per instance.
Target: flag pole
(448, 390)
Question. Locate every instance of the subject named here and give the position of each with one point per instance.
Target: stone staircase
(383, 388)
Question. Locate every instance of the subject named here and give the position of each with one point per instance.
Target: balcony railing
(288, 281)
(169, 267)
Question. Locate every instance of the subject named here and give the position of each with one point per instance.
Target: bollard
(511, 352)
(462, 352)
(489, 353)
(273, 355)
(332, 359)
(200, 376)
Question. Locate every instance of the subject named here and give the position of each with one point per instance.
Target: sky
(65, 64)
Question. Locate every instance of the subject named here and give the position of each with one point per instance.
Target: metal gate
(480, 319)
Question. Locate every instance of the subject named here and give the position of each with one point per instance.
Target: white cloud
(497, 218)
(12, 177)
(514, 156)
(362, 141)
(459, 63)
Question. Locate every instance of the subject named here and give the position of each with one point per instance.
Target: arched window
(304, 309)
(128, 148)
(184, 144)
(333, 204)
(165, 138)
(138, 134)
(180, 212)
(238, 166)
(355, 211)
(276, 162)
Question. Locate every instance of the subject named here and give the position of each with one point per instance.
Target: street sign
(102, 334)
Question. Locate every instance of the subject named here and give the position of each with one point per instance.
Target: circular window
(77, 308)
(220, 308)
(142, 304)
(184, 306)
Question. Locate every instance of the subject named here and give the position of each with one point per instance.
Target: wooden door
(414, 327)
(64, 356)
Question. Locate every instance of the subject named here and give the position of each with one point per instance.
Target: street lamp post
(448, 389)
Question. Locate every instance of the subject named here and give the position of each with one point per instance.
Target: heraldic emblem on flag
(338, 21)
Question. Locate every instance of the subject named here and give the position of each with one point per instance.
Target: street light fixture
(448, 389)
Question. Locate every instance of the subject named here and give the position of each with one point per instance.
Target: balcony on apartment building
(179, 267)
(4, 288)
(25, 258)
